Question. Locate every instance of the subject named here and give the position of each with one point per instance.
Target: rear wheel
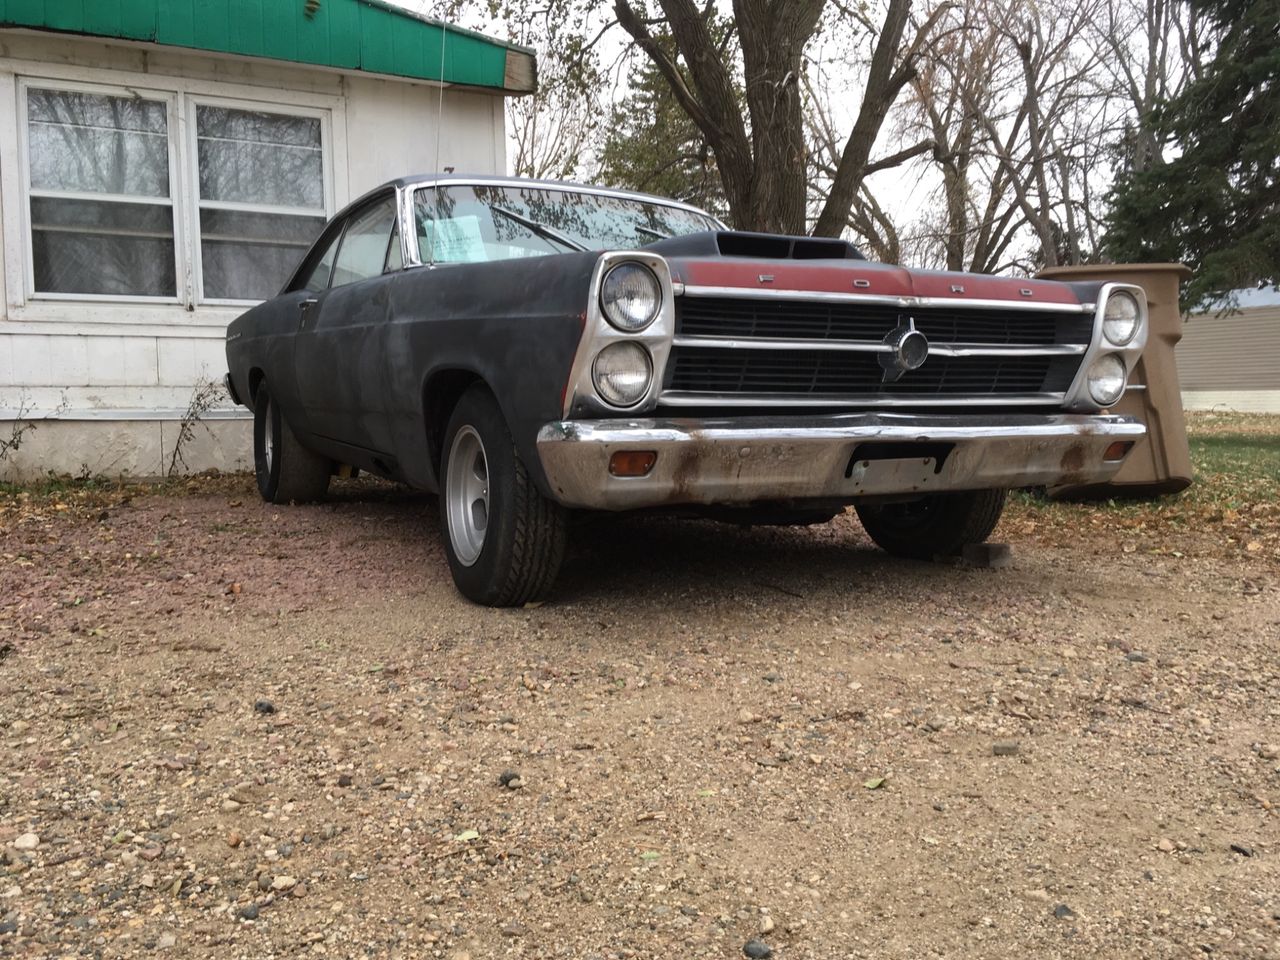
(937, 525)
(286, 470)
(505, 541)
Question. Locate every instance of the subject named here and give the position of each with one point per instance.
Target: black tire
(290, 473)
(522, 543)
(937, 525)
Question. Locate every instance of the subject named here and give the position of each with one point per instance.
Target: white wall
(1232, 361)
(1243, 401)
(137, 364)
(401, 119)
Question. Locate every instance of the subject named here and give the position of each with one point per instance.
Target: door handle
(304, 310)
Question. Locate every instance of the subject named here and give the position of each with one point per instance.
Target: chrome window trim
(817, 296)
(874, 346)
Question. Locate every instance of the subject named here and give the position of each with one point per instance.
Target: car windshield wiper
(656, 234)
(541, 229)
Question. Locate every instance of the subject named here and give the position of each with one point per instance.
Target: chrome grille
(846, 320)
(736, 350)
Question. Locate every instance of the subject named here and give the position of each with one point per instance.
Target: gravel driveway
(235, 730)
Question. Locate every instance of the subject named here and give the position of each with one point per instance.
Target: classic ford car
(527, 349)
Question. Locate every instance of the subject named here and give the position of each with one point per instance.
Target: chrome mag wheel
(467, 495)
(269, 438)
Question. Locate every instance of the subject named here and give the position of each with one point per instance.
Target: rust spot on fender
(1073, 458)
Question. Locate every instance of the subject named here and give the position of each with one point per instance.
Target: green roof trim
(364, 35)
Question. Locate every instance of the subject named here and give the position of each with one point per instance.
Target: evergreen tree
(1216, 206)
(654, 146)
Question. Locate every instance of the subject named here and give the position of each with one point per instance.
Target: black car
(529, 348)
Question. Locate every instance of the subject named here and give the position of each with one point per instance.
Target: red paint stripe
(825, 278)
(876, 279)
(977, 286)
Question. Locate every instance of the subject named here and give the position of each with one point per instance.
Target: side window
(319, 276)
(363, 252)
(395, 258)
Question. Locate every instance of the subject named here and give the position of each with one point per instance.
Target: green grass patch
(1236, 470)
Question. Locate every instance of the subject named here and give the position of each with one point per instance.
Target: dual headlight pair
(1121, 319)
(631, 298)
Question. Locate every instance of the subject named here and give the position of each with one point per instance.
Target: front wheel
(937, 525)
(505, 541)
(286, 470)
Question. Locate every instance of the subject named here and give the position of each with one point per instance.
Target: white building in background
(1231, 361)
(164, 164)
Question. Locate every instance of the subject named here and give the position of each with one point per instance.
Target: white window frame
(194, 101)
(173, 201)
(125, 315)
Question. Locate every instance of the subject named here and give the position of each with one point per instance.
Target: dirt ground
(236, 730)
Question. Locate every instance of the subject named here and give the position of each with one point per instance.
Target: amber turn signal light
(632, 463)
(1117, 450)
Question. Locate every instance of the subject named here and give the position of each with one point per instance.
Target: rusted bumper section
(840, 457)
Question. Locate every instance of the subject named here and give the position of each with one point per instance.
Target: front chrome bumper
(753, 459)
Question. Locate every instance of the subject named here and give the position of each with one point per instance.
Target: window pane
(249, 256)
(475, 224)
(88, 143)
(319, 278)
(91, 246)
(395, 258)
(364, 246)
(263, 158)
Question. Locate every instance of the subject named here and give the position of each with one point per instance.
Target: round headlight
(1106, 379)
(631, 297)
(622, 373)
(1120, 318)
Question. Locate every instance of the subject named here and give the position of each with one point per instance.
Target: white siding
(401, 119)
(1245, 401)
(97, 362)
(1231, 362)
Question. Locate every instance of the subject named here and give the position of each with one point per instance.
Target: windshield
(474, 224)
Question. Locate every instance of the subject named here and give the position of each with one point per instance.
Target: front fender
(514, 324)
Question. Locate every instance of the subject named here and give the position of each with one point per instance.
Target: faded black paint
(351, 375)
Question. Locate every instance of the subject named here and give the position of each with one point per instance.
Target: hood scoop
(757, 246)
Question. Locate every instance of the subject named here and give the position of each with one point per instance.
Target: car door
(339, 352)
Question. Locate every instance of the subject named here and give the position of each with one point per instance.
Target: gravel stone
(647, 827)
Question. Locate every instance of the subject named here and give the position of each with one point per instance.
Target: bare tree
(552, 132)
(761, 152)
(1021, 127)
(1150, 50)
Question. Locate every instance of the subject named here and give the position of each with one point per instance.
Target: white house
(1230, 359)
(163, 165)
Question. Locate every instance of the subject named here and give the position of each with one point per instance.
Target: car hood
(735, 261)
